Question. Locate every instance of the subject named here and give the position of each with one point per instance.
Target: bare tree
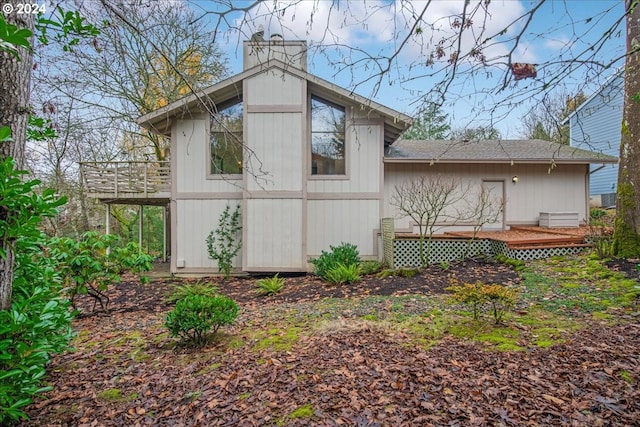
(149, 55)
(428, 201)
(545, 120)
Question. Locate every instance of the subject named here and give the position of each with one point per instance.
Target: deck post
(164, 234)
(107, 226)
(141, 213)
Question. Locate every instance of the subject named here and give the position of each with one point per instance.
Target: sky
(354, 43)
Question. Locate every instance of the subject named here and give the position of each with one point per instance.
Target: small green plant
(369, 267)
(346, 254)
(197, 316)
(270, 285)
(470, 295)
(197, 288)
(444, 265)
(596, 213)
(222, 243)
(499, 298)
(341, 274)
(517, 264)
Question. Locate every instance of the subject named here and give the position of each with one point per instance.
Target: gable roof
(159, 121)
(530, 151)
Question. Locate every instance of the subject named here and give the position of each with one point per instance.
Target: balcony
(146, 183)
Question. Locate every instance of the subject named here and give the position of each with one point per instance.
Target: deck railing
(126, 178)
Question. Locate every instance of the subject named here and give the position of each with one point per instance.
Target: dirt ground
(336, 369)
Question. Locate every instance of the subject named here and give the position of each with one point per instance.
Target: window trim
(347, 138)
(222, 106)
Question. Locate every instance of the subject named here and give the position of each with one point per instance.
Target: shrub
(89, 265)
(37, 323)
(221, 242)
(197, 316)
(346, 254)
(198, 288)
(344, 274)
(369, 267)
(498, 297)
(469, 295)
(270, 285)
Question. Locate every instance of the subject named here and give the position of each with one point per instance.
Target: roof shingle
(494, 151)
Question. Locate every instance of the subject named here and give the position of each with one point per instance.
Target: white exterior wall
(273, 212)
(195, 220)
(564, 189)
(332, 222)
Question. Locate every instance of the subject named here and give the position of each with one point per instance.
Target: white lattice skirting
(406, 252)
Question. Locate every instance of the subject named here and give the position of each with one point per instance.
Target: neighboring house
(596, 125)
(319, 166)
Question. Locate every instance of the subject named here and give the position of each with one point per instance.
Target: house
(526, 177)
(596, 125)
(312, 164)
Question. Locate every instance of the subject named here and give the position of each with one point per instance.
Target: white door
(494, 205)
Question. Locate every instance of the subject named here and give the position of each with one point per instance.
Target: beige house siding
(331, 222)
(196, 219)
(538, 189)
(273, 235)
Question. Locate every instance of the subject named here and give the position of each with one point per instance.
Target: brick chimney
(259, 52)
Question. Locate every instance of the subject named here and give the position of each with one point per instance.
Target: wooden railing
(126, 178)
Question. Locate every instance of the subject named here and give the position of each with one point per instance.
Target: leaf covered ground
(384, 352)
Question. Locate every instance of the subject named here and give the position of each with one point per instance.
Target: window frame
(310, 132)
(221, 107)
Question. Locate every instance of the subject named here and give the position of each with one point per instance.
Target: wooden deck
(128, 182)
(533, 237)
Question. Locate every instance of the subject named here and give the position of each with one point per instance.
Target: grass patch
(114, 395)
(278, 339)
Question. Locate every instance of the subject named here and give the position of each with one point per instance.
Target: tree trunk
(627, 225)
(14, 112)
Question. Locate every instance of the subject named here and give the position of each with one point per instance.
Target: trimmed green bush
(346, 254)
(270, 285)
(344, 274)
(197, 316)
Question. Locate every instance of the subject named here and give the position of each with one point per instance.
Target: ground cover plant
(390, 350)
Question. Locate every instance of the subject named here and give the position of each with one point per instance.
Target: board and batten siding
(332, 222)
(537, 190)
(273, 213)
(597, 126)
(276, 163)
(191, 164)
(196, 219)
(274, 235)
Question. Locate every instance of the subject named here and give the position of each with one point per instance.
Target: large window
(226, 139)
(327, 138)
